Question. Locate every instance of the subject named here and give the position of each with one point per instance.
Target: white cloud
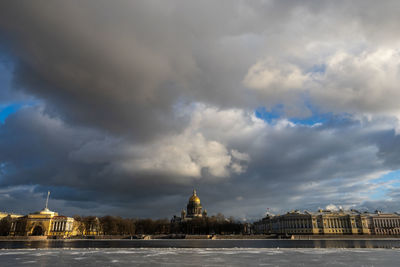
(274, 77)
(240, 156)
(185, 154)
(365, 82)
(202, 146)
(332, 207)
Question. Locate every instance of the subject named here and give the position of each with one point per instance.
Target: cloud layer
(126, 106)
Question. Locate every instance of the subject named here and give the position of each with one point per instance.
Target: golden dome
(194, 198)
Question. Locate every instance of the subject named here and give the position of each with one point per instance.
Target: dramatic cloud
(123, 107)
(365, 83)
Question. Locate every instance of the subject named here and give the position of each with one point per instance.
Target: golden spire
(47, 200)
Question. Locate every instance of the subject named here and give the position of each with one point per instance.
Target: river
(200, 253)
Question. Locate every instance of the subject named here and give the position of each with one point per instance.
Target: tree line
(113, 225)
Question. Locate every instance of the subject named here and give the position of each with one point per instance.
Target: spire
(194, 192)
(47, 200)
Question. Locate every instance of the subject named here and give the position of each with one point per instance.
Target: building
(11, 215)
(194, 209)
(326, 222)
(44, 223)
(384, 223)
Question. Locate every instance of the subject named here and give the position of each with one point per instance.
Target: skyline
(123, 108)
(330, 209)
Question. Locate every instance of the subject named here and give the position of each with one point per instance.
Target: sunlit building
(44, 223)
(384, 223)
(326, 222)
(11, 215)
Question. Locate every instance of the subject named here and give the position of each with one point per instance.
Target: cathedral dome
(194, 198)
(194, 208)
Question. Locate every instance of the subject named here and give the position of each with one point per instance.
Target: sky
(123, 107)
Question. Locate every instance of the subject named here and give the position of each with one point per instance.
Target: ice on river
(199, 257)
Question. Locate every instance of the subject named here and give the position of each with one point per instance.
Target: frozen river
(200, 253)
(199, 257)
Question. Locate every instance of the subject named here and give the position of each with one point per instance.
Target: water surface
(97, 253)
(199, 257)
(202, 243)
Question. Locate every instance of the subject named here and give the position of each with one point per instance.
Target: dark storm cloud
(140, 101)
(122, 66)
(291, 166)
(309, 167)
(118, 67)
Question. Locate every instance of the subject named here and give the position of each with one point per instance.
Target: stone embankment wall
(23, 238)
(343, 237)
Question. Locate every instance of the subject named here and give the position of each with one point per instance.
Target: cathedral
(194, 209)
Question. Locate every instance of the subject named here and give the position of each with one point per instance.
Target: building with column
(44, 223)
(326, 222)
(384, 223)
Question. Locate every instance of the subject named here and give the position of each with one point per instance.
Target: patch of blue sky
(271, 115)
(10, 102)
(277, 112)
(393, 176)
(379, 194)
(387, 181)
(7, 109)
(316, 117)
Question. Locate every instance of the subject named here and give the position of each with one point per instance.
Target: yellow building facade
(45, 223)
(12, 215)
(325, 222)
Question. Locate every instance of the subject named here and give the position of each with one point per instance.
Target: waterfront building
(11, 215)
(384, 223)
(326, 222)
(44, 223)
